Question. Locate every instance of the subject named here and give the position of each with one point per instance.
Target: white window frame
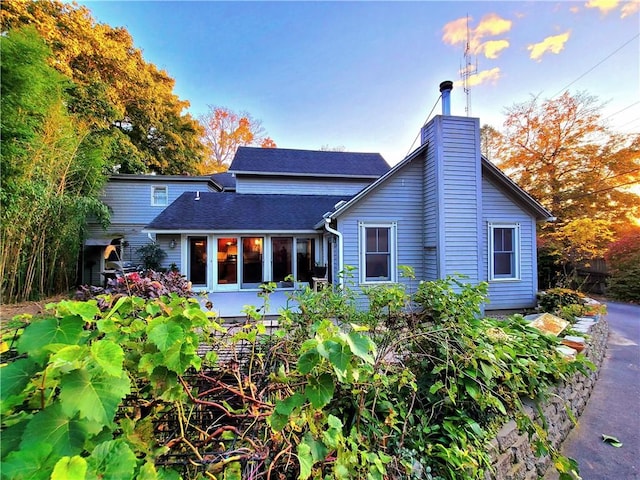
(492, 227)
(362, 253)
(155, 188)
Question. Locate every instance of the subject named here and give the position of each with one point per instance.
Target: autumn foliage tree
(225, 131)
(623, 258)
(560, 151)
(114, 90)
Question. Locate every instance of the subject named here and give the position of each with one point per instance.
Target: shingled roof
(279, 161)
(235, 211)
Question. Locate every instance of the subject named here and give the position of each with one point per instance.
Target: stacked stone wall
(512, 453)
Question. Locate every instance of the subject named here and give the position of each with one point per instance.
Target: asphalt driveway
(614, 406)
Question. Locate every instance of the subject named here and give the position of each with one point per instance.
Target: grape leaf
(16, 376)
(320, 390)
(43, 332)
(94, 398)
(164, 335)
(53, 427)
(113, 460)
(109, 356)
(69, 467)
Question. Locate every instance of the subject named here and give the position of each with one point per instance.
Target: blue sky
(365, 75)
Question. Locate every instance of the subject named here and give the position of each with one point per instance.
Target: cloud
(484, 76)
(491, 25)
(492, 48)
(605, 6)
(455, 32)
(553, 44)
(629, 8)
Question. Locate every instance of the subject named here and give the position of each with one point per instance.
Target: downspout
(327, 226)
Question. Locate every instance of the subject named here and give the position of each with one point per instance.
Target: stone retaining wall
(513, 458)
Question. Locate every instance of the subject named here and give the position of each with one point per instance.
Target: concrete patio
(230, 305)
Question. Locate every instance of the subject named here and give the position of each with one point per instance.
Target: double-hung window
(377, 252)
(504, 251)
(159, 196)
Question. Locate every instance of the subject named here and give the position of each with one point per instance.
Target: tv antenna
(468, 70)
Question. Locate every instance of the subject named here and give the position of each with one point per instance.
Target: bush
(552, 301)
(151, 255)
(146, 285)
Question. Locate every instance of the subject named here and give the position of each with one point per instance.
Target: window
(504, 253)
(159, 196)
(377, 262)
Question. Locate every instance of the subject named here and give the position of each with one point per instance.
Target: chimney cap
(446, 85)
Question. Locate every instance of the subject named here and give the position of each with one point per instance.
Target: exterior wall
(300, 185)
(453, 196)
(130, 199)
(399, 200)
(497, 207)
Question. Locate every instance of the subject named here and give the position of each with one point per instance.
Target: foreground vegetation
(127, 387)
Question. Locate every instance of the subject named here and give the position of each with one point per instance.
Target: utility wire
(620, 111)
(425, 122)
(599, 63)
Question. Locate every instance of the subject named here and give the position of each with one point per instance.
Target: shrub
(552, 301)
(151, 255)
(146, 285)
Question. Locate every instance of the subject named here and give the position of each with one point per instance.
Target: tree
(127, 100)
(490, 140)
(52, 172)
(560, 152)
(225, 131)
(623, 260)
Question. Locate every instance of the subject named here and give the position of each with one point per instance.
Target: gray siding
(430, 214)
(452, 177)
(300, 186)
(399, 200)
(130, 200)
(497, 207)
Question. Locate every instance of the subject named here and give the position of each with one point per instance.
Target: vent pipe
(445, 90)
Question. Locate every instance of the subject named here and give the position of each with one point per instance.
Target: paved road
(614, 406)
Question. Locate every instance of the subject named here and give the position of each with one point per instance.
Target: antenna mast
(468, 70)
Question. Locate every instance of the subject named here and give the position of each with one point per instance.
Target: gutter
(327, 226)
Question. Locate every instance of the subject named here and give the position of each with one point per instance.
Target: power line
(599, 63)
(620, 111)
(425, 122)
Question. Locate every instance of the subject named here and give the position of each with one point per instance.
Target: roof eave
(540, 212)
(365, 191)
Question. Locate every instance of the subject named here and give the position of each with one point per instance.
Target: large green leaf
(11, 438)
(320, 390)
(316, 447)
(16, 376)
(47, 331)
(52, 426)
(94, 398)
(339, 356)
(361, 346)
(70, 467)
(88, 311)
(308, 360)
(305, 460)
(109, 356)
(28, 464)
(113, 460)
(165, 335)
(286, 406)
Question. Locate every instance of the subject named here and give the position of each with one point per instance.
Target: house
(443, 210)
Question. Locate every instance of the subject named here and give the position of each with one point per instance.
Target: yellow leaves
(583, 239)
(225, 131)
